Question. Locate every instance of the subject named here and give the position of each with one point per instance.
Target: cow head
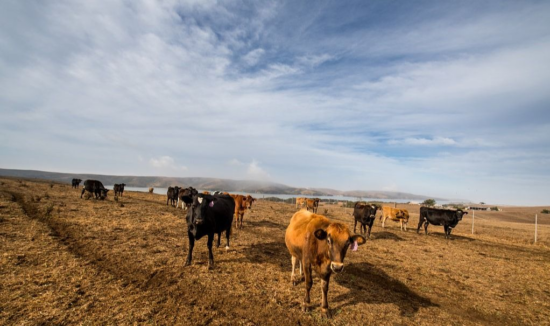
(459, 213)
(104, 193)
(187, 194)
(249, 201)
(338, 240)
(196, 214)
(404, 214)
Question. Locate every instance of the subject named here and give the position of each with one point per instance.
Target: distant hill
(247, 186)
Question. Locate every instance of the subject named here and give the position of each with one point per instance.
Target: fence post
(473, 220)
(536, 225)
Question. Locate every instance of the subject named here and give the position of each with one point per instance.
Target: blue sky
(447, 99)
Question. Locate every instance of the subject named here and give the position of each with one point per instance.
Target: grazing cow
(96, 188)
(300, 201)
(364, 214)
(446, 217)
(318, 244)
(76, 183)
(185, 195)
(395, 214)
(172, 195)
(151, 189)
(209, 215)
(122, 189)
(313, 204)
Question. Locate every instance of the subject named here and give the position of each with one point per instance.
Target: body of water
(162, 191)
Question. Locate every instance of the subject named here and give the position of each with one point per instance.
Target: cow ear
(359, 239)
(320, 234)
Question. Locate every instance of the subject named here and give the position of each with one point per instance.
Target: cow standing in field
(320, 245)
(448, 218)
(395, 214)
(365, 214)
(96, 188)
(172, 196)
(151, 189)
(185, 195)
(119, 189)
(75, 183)
(209, 215)
(312, 204)
(241, 205)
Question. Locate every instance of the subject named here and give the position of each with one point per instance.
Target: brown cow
(312, 204)
(300, 201)
(206, 192)
(241, 205)
(151, 189)
(318, 244)
(395, 214)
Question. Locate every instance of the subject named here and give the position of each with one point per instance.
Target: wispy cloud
(360, 96)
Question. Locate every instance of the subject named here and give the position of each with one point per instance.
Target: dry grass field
(67, 260)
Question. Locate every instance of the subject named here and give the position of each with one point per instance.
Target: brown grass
(100, 262)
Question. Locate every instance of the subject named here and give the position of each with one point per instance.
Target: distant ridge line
(249, 186)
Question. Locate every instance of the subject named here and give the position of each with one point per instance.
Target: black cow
(119, 189)
(172, 195)
(76, 183)
(185, 195)
(446, 217)
(208, 215)
(96, 188)
(364, 214)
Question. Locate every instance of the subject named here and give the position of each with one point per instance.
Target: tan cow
(300, 201)
(312, 204)
(395, 214)
(319, 244)
(241, 205)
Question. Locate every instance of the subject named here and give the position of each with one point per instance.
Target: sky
(449, 99)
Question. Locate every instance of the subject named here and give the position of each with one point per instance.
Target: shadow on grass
(370, 285)
(386, 235)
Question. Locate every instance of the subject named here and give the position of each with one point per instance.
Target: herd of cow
(314, 241)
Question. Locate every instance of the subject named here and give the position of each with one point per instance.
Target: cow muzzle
(336, 267)
(199, 221)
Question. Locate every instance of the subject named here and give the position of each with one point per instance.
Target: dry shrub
(49, 210)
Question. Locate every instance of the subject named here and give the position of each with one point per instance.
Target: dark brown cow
(312, 204)
(250, 200)
(318, 244)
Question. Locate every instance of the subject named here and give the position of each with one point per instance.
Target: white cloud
(436, 141)
(252, 57)
(256, 172)
(166, 162)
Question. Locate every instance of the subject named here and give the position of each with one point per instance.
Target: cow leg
(210, 254)
(383, 221)
(309, 284)
(324, 305)
(191, 246)
(83, 191)
(370, 228)
(241, 222)
(227, 234)
(355, 227)
(405, 224)
(292, 275)
(426, 227)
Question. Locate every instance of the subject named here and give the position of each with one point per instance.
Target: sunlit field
(67, 260)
